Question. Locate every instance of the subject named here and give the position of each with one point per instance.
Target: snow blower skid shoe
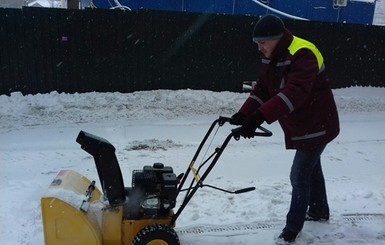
(75, 211)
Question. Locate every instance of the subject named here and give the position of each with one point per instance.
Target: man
(293, 89)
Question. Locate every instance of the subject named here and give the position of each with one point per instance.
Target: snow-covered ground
(37, 140)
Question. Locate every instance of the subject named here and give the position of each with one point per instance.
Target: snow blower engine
(153, 192)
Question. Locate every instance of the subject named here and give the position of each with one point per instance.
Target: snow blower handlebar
(265, 132)
(218, 152)
(237, 131)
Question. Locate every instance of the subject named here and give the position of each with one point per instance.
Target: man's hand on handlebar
(237, 119)
(250, 124)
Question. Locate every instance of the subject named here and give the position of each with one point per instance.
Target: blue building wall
(356, 12)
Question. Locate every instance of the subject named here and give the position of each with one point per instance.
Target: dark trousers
(309, 192)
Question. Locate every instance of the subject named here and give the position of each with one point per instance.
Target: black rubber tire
(164, 233)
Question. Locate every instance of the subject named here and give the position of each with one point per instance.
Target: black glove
(251, 123)
(237, 119)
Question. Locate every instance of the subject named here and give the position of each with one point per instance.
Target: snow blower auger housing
(75, 211)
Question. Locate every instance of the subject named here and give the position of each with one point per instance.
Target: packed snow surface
(37, 140)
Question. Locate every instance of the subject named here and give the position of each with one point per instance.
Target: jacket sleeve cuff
(250, 106)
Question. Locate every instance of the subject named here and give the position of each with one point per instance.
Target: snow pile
(360, 99)
(41, 109)
(88, 107)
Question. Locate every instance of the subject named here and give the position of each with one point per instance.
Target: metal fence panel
(44, 49)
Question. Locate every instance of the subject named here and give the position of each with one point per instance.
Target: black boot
(288, 235)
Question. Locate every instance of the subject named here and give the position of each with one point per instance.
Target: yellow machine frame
(66, 224)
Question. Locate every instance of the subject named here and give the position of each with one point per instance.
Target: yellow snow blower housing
(74, 211)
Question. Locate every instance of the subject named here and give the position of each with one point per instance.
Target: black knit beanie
(269, 27)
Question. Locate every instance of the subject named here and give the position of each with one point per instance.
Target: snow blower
(75, 211)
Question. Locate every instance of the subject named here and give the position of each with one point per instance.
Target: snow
(45, 4)
(37, 140)
(364, 1)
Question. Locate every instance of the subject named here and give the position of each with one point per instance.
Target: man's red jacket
(293, 88)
